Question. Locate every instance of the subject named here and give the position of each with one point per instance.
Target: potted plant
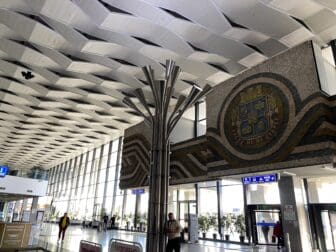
(117, 218)
(203, 223)
(131, 221)
(137, 222)
(127, 220)
(214, 224)
(226, 222)
(240, 227)
(143, 222)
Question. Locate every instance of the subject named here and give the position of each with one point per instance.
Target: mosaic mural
(255, 118)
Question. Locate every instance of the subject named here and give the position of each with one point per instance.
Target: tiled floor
(74, 234)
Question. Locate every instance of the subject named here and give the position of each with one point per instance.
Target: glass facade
(221, 209)
(86, 186)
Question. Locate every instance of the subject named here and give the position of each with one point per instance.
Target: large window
(263, 194)
(200, 122)
(86, 186)
(328, 55)
(320, 189)
(232, 207)
(208, 206)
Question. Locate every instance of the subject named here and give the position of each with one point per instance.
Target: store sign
(3, 170)
(138, 191)
(269, 178)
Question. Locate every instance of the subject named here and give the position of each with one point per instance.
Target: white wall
(184, 130)
(320, 189)
(260, 194)
(24, 186)
(326, 72)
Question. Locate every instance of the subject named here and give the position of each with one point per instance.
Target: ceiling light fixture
(289, 173)
(329, 168)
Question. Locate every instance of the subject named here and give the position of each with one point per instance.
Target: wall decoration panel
(270, 117)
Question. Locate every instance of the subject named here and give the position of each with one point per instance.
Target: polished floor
(48, 239)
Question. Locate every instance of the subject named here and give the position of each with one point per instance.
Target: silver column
(162, 121)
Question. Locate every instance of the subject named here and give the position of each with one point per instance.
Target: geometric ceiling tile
(65, 66)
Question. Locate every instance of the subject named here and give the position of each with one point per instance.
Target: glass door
(184, 209)
(328, 225)
(264, 223)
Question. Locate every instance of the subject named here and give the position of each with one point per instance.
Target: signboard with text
(193, 228)
(3, 170)
(289, 213)
(138, 191)
(268, 178)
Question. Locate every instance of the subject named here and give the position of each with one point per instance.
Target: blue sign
(3, 170)
(138, 191)
(269, 178)
(266, 224)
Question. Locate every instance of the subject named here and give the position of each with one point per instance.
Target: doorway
(185, 208)
(329, 229)
(263, 220)
(323, 221)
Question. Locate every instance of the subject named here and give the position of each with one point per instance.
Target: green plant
(143, 218)
(203, 223)
(240, 224)
(102, 212)
(226, 222)
(117, 217)
(126, 218)
(213, 221)
(137, 220)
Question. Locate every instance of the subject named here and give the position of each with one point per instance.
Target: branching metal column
(162, 121)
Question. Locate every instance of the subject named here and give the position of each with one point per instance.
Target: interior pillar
(294, 215)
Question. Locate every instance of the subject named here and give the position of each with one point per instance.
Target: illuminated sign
(269, 178)
(138, 191)
(3, 170)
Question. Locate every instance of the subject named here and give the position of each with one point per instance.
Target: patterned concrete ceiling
(66, 65)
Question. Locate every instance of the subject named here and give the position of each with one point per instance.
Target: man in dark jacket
(63, 223)
(105, 220)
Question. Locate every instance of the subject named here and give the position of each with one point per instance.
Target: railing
(36, 249)
(116, 245)
(85, 246)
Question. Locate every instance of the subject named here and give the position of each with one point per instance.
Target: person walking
(105, 220)
(173, 231)
(277, 232)
(113, 219)
(265, 229)
(63, 223)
